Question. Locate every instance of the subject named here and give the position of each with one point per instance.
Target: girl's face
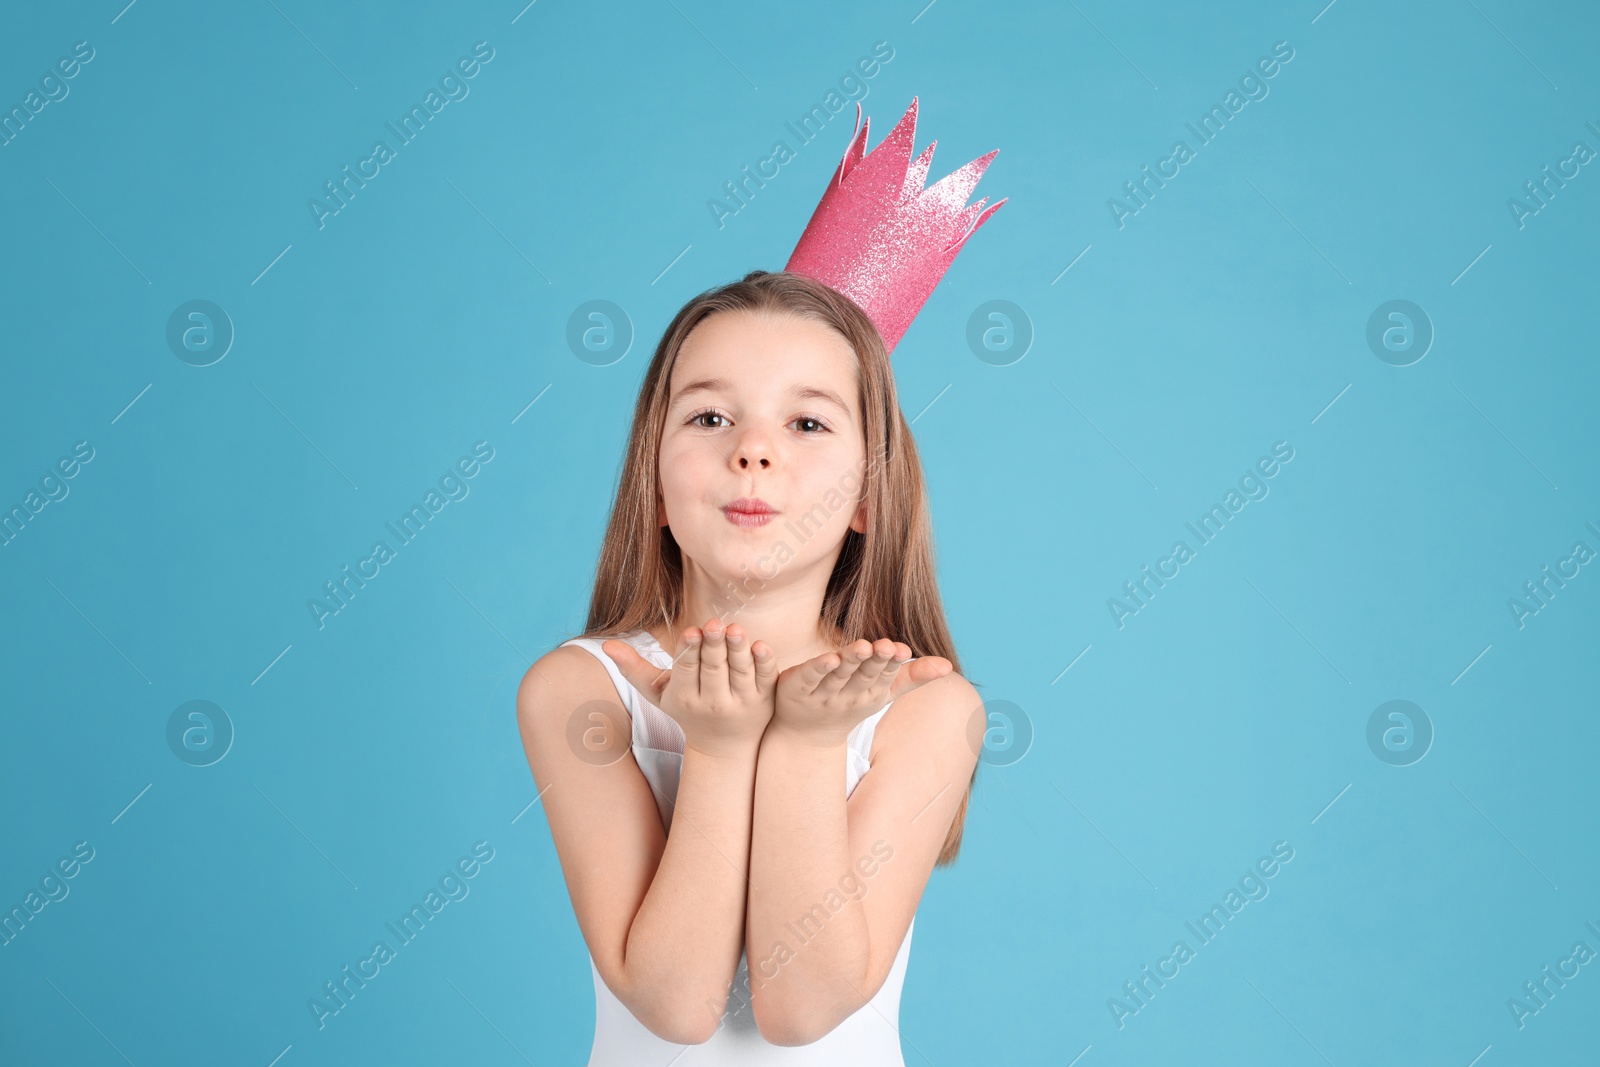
(764, 409)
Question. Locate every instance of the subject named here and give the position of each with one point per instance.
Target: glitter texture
(882, 239)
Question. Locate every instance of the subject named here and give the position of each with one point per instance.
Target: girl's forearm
(807, 963)
(683, 948)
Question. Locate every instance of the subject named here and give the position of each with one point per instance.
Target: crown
(882, 239)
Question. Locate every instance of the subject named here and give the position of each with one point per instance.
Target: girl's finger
(766, 666)
(713, 659)
(872, 670)
(741, 665)
(850, 657)
(643, 675)
(902, 656)
(686, 668)
(917, 673)
(814, 670)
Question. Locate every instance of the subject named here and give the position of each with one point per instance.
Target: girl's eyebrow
(804, 392)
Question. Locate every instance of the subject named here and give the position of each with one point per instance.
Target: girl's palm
(828, 695)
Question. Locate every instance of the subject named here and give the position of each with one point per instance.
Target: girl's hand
(720, 689)
(824, 698)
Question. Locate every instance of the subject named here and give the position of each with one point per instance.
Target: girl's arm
(662, 914)
(834, 884)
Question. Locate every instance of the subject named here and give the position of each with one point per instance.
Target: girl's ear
(858, 522)
(661, 512)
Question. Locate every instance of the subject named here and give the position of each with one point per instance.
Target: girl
(734, 899)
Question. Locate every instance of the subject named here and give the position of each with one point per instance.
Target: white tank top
(868, 1038)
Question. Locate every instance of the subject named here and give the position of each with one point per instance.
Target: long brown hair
(883, 583)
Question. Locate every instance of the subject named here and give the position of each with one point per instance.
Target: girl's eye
(694, 420)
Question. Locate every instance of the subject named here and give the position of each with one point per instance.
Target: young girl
(734, 899)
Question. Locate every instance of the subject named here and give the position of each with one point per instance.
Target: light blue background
(1225, 316)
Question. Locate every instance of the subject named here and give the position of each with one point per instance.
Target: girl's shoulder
(572, 673)
(931, 716)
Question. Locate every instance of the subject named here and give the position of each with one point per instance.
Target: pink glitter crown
(882, 239)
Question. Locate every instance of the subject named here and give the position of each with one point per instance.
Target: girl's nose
(753, 451)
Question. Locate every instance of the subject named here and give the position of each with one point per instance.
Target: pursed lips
(747, 511)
